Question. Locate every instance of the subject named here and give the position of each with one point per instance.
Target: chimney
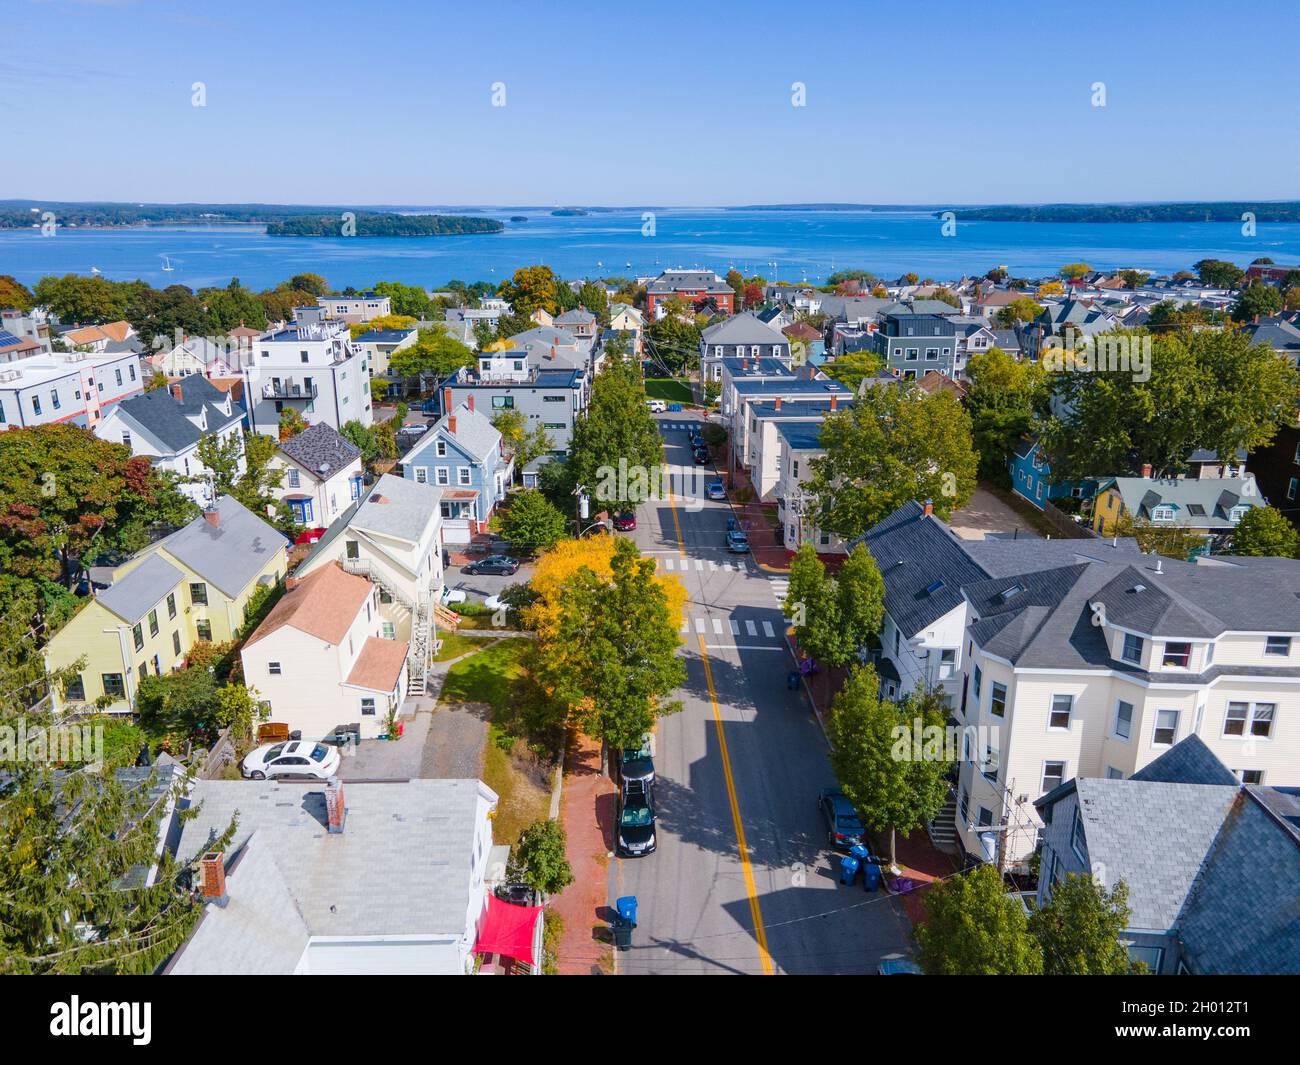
(928, 507)
(290, 583)
(835, 400)
(177, 393)
(1146, 470)
(451, 424)
(469, 401)
(1256, 320)
(212, 878)
(212, 516)
(335, 807)
(446, 401)
(776, 403)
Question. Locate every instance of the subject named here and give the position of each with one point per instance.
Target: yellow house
(192, 585)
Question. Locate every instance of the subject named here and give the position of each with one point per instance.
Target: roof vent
(1007, 594)
(1138, 588)
(934, 586)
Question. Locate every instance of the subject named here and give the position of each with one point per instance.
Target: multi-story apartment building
(799, 444)
(695, 287)
(912, 344)
(353, 309)
(751, 397)
(70, 386)
(379, 345)
(741, 337)
(313, 368)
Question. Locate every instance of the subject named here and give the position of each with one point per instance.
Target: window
(1114, 774)
(387, 630)
(440, 448)
(352, 549)
(931, 354)
(54, 399)
(1152, 957)
(171, 605)
(1162, 513)
(975, 681)
(503, 402)
(998, 700)
(303, 356)
(462, 475)
(295, 479)
(176, 644)
(1261, 720)
(442, 475)
(137, 633)
(421, 475)
(1132, 648)
(1053, 774)
(1234, 721)
(274, 669)
(199, 594)
(1123, 720)
(1178, 654)
(75, 690)
(203, 629)
(117, 376)
(1078, 840)
(1278, 645)
(36, 404)
(113, 685)
(912, 353)
(130, 369)
(1059, 717)
(1251, 776)
(1166, 728)
(1291, 487)
(985, 817)
(368, 706)
(153, 623)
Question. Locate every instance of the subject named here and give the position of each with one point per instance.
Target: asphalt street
(742, 880)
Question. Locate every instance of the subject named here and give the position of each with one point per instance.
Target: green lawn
(454, 645)
(669, 389)
(489, 676)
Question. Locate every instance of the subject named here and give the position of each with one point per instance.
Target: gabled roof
(232, 552)
(1215, 496)
(323, 604)
(743, 329)
(141, 589)
(321, 450)
(397, 507)
(1189, 761)
(693, 280)
(475, 434)
(172, 420)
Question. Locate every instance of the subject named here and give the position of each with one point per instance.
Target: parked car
(495, 602)
(701, 456)
(657, 406)
(452, 595)
(429, 406)
(636, 764)
(625, 522)
(843, 826)
(499, 564)
(737, 542)
(297, 758)
(732, 525)
(898, 965)
(715, 490)
(636, 819)
(413, 430)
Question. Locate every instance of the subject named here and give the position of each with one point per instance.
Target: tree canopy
(972, 927)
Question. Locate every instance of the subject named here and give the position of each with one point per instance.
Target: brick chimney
(212, 878)
(451, 424)
(177, 393)
(335, 807)
(446, 401)
(927, 508)
(1146, 469)
(835, 402)
(213, 517)
(469, 401)
(776, 403)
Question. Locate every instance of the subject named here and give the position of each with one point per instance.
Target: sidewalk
(587, 813)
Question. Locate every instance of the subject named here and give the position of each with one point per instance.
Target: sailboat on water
(167, 265)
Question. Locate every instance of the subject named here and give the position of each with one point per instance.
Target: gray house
(914, 344)
(743, 336)
(1212, 865)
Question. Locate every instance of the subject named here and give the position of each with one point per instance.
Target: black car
(636, 764)
(701, 456)
(636, 819)
(500, 564)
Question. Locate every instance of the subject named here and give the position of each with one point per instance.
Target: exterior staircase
(943, 829)
(419, 656)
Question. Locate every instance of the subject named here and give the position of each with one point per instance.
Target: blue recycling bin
(871, 876)
(626, 907)
(848, 869)
(792, 680)
(860, 852)
(675, 407)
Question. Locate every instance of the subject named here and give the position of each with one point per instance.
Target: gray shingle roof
(1187, 762)
(474, 432)
(405, 511)
(163, 416)
(230, 554)
(321, 449)
(744, 329)
(140, 590)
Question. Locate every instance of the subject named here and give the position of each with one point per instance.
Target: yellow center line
(672, 502)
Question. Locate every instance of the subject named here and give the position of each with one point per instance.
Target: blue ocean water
(784, 245)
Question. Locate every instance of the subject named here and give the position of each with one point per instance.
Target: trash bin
(792, 680)
(860, 852)
(848, 869)
(626, 907)
(871, 876)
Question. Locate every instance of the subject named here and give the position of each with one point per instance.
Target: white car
(494, 602)
(452, 595)
(657, 406)
(294, 758)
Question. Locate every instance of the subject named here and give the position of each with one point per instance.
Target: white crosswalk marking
(735, 627)
(699, 625)
(750, 628)
(699, 565)
(717, 626)
(713, 566)
(668, 562)
(767, 629)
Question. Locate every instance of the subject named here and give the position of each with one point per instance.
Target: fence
(1065, 524)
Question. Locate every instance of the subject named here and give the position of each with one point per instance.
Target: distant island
(1136, 212)
(519, 218)
(384, 225)
(568, 212)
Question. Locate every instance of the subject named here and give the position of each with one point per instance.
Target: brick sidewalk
(587, 812)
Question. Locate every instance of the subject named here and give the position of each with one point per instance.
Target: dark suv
(636, 819)
(843, 826)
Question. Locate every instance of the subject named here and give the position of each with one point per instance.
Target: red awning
(509, 930)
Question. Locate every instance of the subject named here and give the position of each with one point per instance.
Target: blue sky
(649, 104)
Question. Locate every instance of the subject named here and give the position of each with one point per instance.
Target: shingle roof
(323, 604)
(474, 432)
(744, 329)
(321, 450)
(168, 419)
(379, 665)
(1188, 761)
(674, 280)
(141, 589)
(1214, 495)
(230, 554)
(398, 507)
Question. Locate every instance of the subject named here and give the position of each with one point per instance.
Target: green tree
(1265, 531)
(673, 343)
(239, 709)
(523, 443)
(1072, 271)
(531, 521)
(407, 300)
(592, 296)
(897, 785)
(1080, 929)
(435, 352)
(241, 466)
(84, 300)
(853, 366)
(539, 857)
(1021, 310)
(972, 927)
(180, 704)
(291, 424)
(893, 445)
(1207, 389)
(531, 288)
(15, 295)
(1219, 273)
(312, 284)
(1134, 278)
(1256, 300)
(1003, 396)
(232, 307)
(617, 426)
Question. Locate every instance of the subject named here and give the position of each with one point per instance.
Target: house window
(421, 475)
(130, 369)
(1152, 957)
(1278, 645)
(1053, 774)
(153, 623)
(440, 448)
(1114, 774)
(1162, 513)
(503, 402)
(171, 605)
(75, 690)
(1234, 721)
(36, 405)
(985, 817)
(199, 594)
(1261, 719)
(352, 549)
(1078, 841)
(1251, 776)
(302, 510)
(1059, 717)
(975, 682)
(1166, 728)
(1123, 720)
(54, 399)
(367, 706)
(274, 669)
(442, 475)
(203, 629)
(113, 685)
(998, 699)
(294, 478)
(387, 630)
(117, 374)
(1132, 648)
(462, 475)
(176, 644)
(137, 633)
(1178, 654)
(1291, 487)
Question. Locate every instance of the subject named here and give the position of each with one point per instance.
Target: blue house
(462, 455)
(1031, 477)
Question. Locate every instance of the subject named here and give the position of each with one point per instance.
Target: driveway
(986, 517)
(388, 759)
(481, 585)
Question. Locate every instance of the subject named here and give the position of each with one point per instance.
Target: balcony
(288, 390)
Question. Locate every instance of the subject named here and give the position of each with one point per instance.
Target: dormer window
(1163, 512)
(1178, 655)
(1237, 513)
(1132, 648)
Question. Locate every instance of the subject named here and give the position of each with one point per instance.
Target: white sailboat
(94, 271)
(167, 265)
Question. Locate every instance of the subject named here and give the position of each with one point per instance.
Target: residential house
(1211, 864)
(375, 878)
(624, 318)
(311, 368)
(166, 425)
(378, 345)
(988, 303)
(462, 453)
(550, 348)
(355, 309)
(203, 357)
(800, 298)
(109, 338)
(13, 346)
(1208, 506)
(693, 286)
(735, 368)
(743, 336)
(551, 398)
(26, 327)
(321, 475)
(1031, 477)
(192, 585)
(800, 444)
(579, 322)
(66, 386)
(913, 344)
(323, 659)
(806, 340)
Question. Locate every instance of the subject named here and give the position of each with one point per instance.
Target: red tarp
(508, 930)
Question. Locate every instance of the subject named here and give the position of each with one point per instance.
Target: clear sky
(662, 103)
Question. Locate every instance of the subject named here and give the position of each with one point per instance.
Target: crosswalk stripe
(699, 625)
(750, 628)
(735, 627)
(767, 629)
(699, 565)
(686, 627)
(713, 566)
(717, 626)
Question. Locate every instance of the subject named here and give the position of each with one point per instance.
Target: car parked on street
(502, 565)
(296, 758)
(636, 764)
(737, 542)
(701, 456)
(843, 826)
(625, 522)
(636, 819)
(657, 406)
(715, 490)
